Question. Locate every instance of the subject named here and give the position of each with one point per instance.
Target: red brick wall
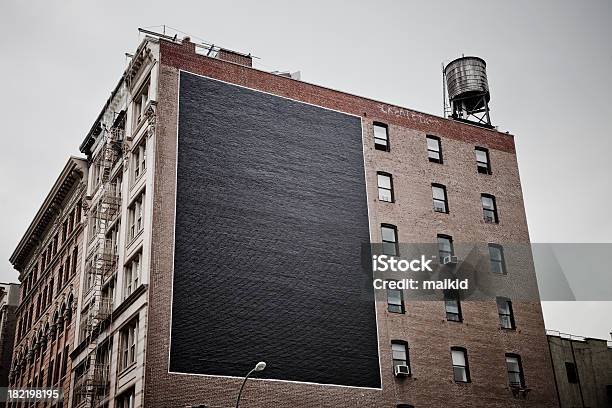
(424, 325)
(227, 55)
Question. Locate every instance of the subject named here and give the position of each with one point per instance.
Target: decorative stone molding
(125, 150)
(151, 116)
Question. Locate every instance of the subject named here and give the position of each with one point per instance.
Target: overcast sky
(549, 65)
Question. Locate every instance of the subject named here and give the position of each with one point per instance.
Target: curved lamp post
(258, 367)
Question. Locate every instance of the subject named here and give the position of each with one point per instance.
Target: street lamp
(258, 367)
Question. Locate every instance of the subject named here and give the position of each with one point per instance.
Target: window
(385, 187)
(440, 200)
(103, 357)
(127, 344)
(111, 246)
(50, 372)
(489, 209)
(126, 400)
(395, 300)
(461, 371)
(381, 137)
(515, 370)
(496, 255)
(452, 305)
(434, 149)
(572, 373)
(482, 160)
(399, 351)
(506, 315)
(64, 362)
(131, 275)
(389, 239)
(140, 103)
(139, 159)
(92, 273)
(94, 224)
(136, 217)
(116, 185)
(445, 247)
(72, 271)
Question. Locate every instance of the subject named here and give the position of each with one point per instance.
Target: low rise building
(582, 369)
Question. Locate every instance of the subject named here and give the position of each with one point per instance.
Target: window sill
(134, 238)
(125, 371)
(136, 180)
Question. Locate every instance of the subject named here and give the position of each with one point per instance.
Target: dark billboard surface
(271, 214)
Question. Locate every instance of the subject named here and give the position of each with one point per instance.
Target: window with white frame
(506, 315)
(389, 239)
(381, 137)
(385, 187)
(461, 371)
(399, 350)
(483, 164)
(111, 245)
(452, 305)
(440, 199)
(434, 149)
(126, 400)
(445, 247)
(94, 223)
(127, 344)
(131, 275)
(139, 159)
(140, 103)
(136, 216)
(515, 370)
(395, 300)
(489, 208)
(496, 256)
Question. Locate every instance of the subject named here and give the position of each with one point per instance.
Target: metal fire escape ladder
(92, 385)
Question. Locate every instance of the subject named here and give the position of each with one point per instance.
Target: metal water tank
(466, 79)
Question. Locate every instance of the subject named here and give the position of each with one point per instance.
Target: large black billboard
(271, 215)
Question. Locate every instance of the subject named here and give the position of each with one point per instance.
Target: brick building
(189, 125)
(583, 370)
(48, 259)
(9, 300)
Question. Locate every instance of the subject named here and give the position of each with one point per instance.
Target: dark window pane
(445, 247)
(572, 374)
(460, 374)
(496, 256)
(395, 301)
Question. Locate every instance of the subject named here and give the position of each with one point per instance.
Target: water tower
(468, 90)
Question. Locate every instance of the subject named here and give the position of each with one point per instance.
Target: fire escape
(92, 383)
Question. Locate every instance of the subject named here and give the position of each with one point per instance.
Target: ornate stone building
(49, 259)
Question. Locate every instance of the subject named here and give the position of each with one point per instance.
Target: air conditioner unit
(402, 371)
(439, 209)
(488, 219)
(450, 260)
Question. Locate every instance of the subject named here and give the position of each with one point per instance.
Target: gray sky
(549, 66)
